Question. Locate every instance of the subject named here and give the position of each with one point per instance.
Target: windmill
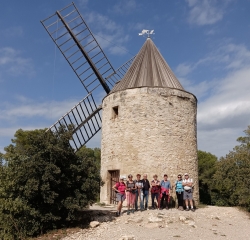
(80, 48)
(148, 119)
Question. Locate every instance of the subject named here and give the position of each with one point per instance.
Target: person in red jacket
(165, 191)
(155, 191)
(120, 188)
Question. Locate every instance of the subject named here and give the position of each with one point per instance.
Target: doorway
(114, 178)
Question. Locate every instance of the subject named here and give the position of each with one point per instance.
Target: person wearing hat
(120, 188)
(187, 183)
(130, 194)
(138, 186)
(155, 191)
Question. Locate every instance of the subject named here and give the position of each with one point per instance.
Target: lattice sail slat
(115, 77)
(78, 45)
(86, 119)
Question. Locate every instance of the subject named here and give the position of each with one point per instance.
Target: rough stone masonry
(149, 130)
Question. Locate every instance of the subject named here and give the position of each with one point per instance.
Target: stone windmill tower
(148, 121)
(149, 124)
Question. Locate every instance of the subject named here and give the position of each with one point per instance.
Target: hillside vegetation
(44, 185)
(226, 182)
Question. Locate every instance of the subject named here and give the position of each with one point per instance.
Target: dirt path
(205, 223)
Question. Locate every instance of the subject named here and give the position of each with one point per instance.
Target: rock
(152, 225)
(182, 218)
(131, 237)
(94, 224)
(136, 220)
(152, 219)
(168, 221)
(191, 223)
(160, 215)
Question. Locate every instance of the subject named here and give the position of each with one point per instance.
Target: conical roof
(149, 69)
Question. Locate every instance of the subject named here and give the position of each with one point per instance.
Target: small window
(115, 112)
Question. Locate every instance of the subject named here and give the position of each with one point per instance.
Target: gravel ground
(205, 223)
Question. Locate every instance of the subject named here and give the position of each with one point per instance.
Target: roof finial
(148, 32)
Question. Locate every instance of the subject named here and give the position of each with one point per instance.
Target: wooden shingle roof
(149, 69)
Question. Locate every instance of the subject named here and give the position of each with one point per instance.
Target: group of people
(138, 190)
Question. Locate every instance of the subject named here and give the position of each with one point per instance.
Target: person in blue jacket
(179, 192)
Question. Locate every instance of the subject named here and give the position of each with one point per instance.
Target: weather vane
(148, 32)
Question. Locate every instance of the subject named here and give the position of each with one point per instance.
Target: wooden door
(114, 178)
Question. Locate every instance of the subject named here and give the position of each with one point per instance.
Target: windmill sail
(115, 77)
(85, 116)
(78, 45)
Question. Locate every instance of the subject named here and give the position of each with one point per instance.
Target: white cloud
(7, 133)
(28, 115)
(224, 115)
(138, 26)
(83, 3)
(211, 32)
(109, 34)
(201, 89)
(16, 31)
(124, 7)
(183, 69)
(27, 108)
(12, 63)
(229, 105)
(205, 12)
(227, 56)
(224, 102)
(219, 141)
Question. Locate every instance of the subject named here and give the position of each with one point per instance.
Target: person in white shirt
(139, 186)
(188, 191)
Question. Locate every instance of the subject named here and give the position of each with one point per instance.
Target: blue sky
(205, 42)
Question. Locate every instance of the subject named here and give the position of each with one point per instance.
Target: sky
(205, 42)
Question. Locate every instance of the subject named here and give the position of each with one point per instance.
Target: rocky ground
(205, 223)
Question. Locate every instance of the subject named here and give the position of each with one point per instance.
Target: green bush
(206, 170)
(232, 177)
(44, 184)
(226, 182)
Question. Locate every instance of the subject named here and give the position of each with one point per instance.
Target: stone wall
(149, 130)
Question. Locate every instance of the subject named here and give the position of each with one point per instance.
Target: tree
(232, 177)
(44, 184)
(206, 168)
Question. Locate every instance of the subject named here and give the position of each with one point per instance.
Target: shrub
(44, 184)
